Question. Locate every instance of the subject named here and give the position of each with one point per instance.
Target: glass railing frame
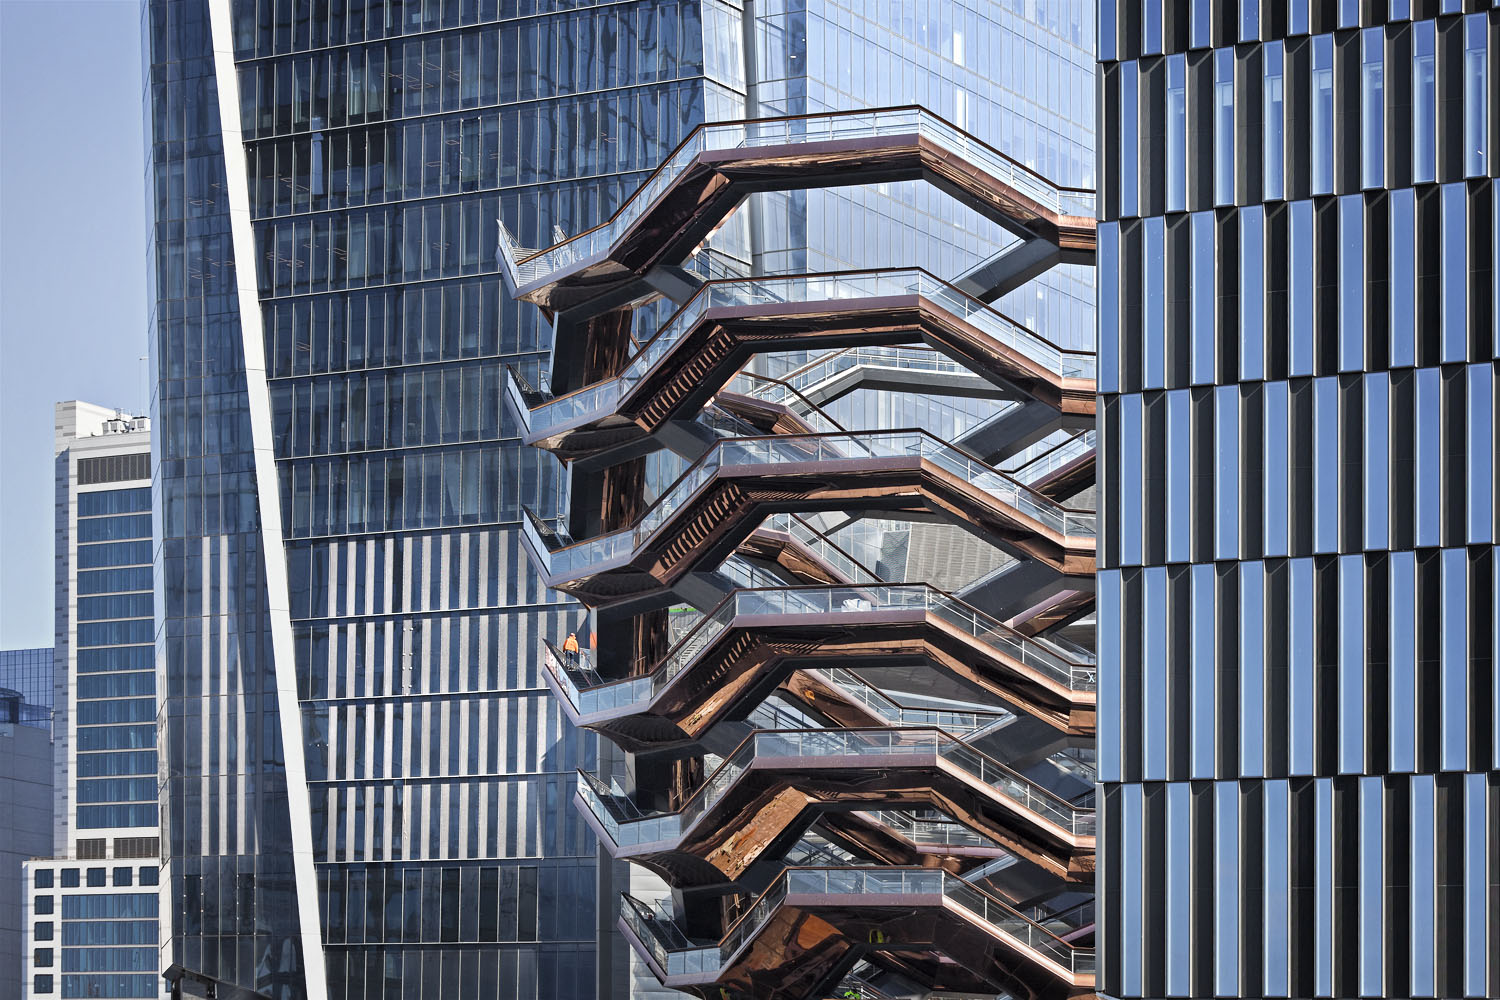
(668, 826)
(864, 882)
(1061, 200)
(622, 544)
(579, 404)
(639, 690)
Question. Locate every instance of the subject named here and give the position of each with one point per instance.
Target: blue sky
(72, 261)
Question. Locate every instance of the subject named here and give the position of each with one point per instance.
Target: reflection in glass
(1351, 283)
(1429, 450)
(1326, 466)
(1153, 303)
(1478, 938)
(1275, 469)
(1351, 666)
(1324, 874)
(1252, 719)
(1372, 108)
(1204, 674)
(1278, 872)
(1252, 293)
(1179, 473)
(1223, 127)
(1180, 844)
(1226, 950)
(1226, 472)
(1273, 146)
(1300, 273)
(1129, 139)
(1403, 662)
(1154, 695)
(1403, 278)
(1454, 273)
(1453, 652)
(1423, 884)
(1302, 684)
(1476, 97)
(1424, 102)
(1371, 886)
(1201, 292)
(1377, 460)
(1481, 454)
(1176, 133)
(1322, 114)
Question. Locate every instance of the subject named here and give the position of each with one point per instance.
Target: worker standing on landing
(570, 649)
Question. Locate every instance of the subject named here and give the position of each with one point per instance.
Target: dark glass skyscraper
(1299, 718)
(367, 788)
(368, 791)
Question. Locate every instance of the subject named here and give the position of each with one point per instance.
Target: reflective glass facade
(228, 893)
(341, 486)
(1299, 324)
(28, 672)
(114, 690)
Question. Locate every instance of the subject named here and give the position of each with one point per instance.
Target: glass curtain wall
(386, 144)
(227, 880)
(1299, 724)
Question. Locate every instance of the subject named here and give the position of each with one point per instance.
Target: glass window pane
(1273, 145)
(1372, 108)
(1424, 102)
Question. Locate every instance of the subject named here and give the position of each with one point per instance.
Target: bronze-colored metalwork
(772, 800)
(868, 784)
(700, 196)
(726, 509)
(809, 939)
(755, 653)
(706, 357)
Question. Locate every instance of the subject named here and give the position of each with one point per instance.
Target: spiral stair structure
(850, 770)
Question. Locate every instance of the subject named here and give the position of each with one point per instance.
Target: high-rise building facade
(1299, 718)
(367, 787)
(25, 808)
(103, 864)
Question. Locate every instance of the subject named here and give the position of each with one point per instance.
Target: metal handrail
(635, 692)
(1062, 199)
(999, 916)
(638, 828)
(591, 553)
(820, 286)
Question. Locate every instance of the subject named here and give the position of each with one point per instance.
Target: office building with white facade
(90, 910)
